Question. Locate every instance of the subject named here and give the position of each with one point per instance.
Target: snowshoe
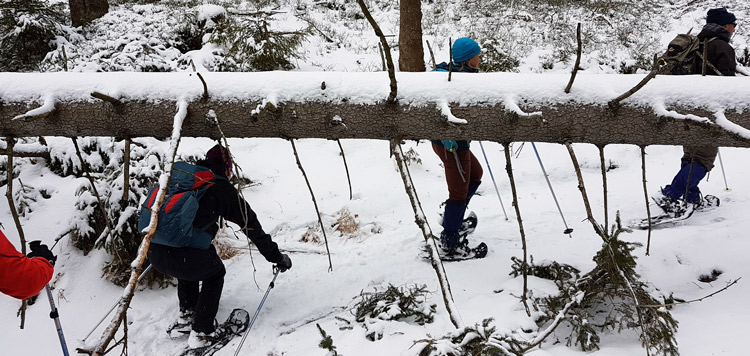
(234, 326)
(463, 252)
(183, 325)
(468, 225)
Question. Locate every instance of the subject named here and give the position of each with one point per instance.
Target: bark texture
(411, 52)
(565, 123)
(84, 11)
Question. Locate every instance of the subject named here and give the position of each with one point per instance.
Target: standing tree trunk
(84, 11)
(411, 52)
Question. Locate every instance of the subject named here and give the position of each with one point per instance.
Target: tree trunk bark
(84, 11)
(411, 51)
(576, 123)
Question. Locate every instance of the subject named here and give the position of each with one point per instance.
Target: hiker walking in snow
(463, 172)
(697, 161)
(192, 265)
(22, 276)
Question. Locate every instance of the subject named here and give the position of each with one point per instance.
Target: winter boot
(452, 221)
(182, 325)
(200, 339)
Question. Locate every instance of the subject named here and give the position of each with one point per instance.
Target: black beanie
(720, 17)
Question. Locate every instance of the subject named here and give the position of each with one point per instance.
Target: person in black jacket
(191, 266)
(697, 161)
(463, 172)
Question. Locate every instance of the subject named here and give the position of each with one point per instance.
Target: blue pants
(688, 177)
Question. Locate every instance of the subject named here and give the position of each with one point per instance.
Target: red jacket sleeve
(21, 277)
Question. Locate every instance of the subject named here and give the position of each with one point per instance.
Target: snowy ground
(386, 251)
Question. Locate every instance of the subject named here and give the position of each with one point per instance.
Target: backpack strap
(703, 56)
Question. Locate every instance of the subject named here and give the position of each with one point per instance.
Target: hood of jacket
(711, 30)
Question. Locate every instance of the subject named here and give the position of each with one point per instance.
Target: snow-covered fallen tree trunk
(668, 111)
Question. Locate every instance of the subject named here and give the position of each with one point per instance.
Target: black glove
(40, 250)
(285, 263)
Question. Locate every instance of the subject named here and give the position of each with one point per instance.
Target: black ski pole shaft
(115, 305)
(54, 315)
(493, 180)
(546, 177)
(257, 311)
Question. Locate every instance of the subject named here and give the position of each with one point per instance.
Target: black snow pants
(191, 266)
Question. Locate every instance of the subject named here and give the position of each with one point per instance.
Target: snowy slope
(308, 294)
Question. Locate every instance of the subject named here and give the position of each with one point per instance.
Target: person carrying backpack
(22, 276)
(697, 160)
(194, 265)
(463, 172)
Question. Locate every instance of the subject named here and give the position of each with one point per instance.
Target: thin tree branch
(346, 167)
(109, 334)
(430, 244)
(126, 172)
(432, 56)
(509, 169)
(694, 300)
(387, 49)
(315, 202)
(578, 60)
(645, 195)
(582, 188)
(106, 98)
(604, 186)
(12, 205)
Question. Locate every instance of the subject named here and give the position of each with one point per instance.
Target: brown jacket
(703, 155)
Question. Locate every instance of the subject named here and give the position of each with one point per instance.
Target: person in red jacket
(22, 276)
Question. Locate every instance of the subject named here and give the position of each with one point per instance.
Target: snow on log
(670, 110)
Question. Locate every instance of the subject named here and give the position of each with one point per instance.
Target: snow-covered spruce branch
(127, 295)
(429, 238)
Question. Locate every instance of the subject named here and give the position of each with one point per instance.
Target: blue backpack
(175, 225)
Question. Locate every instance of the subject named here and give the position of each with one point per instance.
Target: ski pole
(270, 286)
(721, 164)
(115, 305)
(567, 229)
(54, 315)
(493, 180)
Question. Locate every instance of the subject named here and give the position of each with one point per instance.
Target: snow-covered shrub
(613, 293)
(28, 29)
(479, 340)
(494, 59)
(407, 304)
(252, 43)
(116, 229)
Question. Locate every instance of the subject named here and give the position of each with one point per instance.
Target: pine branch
(645, 194)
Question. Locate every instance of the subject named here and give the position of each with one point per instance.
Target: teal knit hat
(464, 49)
